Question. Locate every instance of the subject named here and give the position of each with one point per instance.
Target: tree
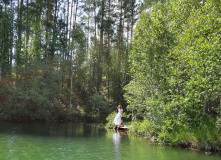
(27, 30)
(119, 36)
(100, 56)
(47, 30)
(54, 31)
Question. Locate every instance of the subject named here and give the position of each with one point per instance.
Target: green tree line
(174, 93)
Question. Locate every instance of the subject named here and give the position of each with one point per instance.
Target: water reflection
(116, 140)
(62, 130)
(82, 141)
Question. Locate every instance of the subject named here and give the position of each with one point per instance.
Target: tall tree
(37, 43)
(4, 41)
(71, 57)
(19, 54)
(95, 25)
(11, 34)
(119, 35)
(47, 29)
(27, 29)
(109, 48)
(100, 57)
(67, 30)
(54, 30)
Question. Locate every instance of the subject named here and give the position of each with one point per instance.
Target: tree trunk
(127, 53)
(67, 41)
(38, 30)
(19, 34)
(70, 27)
(109, 49)
(12, 27)
(95, 26)
(47, 30)
(88, 39)
(132, 23)
(74, 25)
(18, 56)
(4, 46)
(27, 32)
(54, 31)
(119, 40)
(101, 48)
(95, 42)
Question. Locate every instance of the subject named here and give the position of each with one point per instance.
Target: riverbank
(198, 138)
(205, 138)
(205, 147)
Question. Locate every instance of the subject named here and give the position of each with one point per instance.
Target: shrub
(33, 95)
(96, 108)
(110, 119)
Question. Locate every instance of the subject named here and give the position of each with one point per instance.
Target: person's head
(119, 107)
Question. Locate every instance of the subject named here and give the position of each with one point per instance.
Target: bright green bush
(175, 69)
(110, 119)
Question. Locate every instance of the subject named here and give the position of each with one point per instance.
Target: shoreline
(185, 146)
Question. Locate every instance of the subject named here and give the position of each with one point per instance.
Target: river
(70, 141)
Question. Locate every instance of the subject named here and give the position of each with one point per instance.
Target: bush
(33, 95)
(96, 108)
(110, 119)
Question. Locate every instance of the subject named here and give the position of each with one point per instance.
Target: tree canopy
(175, 68)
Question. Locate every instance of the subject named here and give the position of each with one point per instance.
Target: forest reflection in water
(82, 141)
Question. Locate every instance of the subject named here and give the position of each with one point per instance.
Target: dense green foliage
(64, 60)
(70, 60)
(36, 95)
(175, 91)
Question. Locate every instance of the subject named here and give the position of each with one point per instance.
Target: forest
(63, 60)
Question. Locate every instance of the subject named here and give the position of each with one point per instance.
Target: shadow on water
(69, 130)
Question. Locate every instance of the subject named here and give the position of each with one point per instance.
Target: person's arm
(121, 113)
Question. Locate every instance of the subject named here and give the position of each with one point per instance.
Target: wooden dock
(122, 129)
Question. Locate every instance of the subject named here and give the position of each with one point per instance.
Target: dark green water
(40, 141)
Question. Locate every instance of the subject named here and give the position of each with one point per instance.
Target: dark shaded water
(69, 141)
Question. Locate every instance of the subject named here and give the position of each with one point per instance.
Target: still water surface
(69, 141)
